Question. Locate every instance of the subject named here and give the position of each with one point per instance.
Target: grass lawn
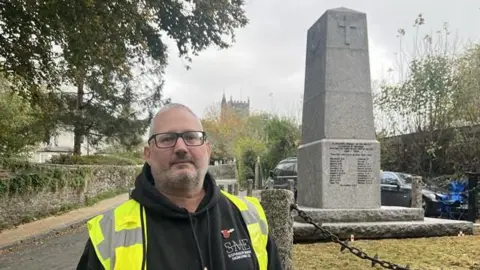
(421, 253)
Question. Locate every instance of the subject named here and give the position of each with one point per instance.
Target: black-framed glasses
(169, 139)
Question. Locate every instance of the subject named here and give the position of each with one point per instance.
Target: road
(61, 252)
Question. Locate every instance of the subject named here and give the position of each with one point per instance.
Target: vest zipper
(144, 260)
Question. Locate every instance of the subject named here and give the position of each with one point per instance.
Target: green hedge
(56, 188)
(21, 177)
(95, 160)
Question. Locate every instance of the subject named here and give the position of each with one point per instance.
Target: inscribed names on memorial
(353, 161)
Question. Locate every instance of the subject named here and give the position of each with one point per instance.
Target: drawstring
(196, 242)
(209, 240)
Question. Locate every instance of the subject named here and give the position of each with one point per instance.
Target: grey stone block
(222, 171)
(337, 67)
(376, 230)
(385, 213)
(277, 204)
(339, 174)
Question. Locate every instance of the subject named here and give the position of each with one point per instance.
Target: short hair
(166, 108)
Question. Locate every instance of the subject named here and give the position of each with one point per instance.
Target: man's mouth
(181, 162)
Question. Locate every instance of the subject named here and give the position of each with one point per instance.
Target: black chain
(467, 192)
(344, 245)
(464, 192)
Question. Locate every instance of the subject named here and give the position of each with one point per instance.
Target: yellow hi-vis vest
(118, 236)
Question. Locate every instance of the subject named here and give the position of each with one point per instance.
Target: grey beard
(183, 182)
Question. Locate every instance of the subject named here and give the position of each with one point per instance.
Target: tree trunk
(78, 124)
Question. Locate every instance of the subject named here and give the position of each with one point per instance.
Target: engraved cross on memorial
(339, 156)
(347, 28)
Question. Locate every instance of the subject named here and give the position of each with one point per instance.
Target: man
(178, 218)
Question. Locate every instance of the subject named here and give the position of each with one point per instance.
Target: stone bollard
(235, 189)
(258, 181)
(230, 188)
(416, 192)
(270, 185)
(277, 203)
(250, 187)
(291, 185)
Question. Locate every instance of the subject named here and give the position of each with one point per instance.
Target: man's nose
(180, 146)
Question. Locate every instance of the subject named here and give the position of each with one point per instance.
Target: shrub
(94, 160)
(21, 177)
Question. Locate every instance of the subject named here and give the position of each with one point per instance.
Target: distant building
(241, 108)
(60, 143)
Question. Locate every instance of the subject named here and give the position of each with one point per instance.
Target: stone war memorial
(339, 156)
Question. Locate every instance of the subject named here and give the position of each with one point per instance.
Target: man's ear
(146, 153)
(209, 149)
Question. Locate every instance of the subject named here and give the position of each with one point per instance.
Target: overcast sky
(267, 63)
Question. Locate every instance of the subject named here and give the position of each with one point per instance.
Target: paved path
(60, 252)
(60, 249)
(57, 222)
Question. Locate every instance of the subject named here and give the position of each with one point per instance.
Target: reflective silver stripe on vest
(252, 216)
(113, 239)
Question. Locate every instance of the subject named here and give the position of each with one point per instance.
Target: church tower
(223, 108)
(241, 108)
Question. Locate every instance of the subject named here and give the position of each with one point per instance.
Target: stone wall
(223, 171)
(29, 192)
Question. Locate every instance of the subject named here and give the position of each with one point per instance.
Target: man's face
(181, 167)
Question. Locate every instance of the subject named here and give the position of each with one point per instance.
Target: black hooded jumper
(181, 240)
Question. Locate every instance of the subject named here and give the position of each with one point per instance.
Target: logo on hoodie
(226, 233)
(236, 247)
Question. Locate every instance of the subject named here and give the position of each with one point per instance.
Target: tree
(261, 134)
(282, 140)
(17, 134)
(464, 149)
(255, 126)
(223, 132)
(433, 108)
(26, 45)
(247, 150)
(467, 98)
(422, 102)
(102, 42)
(422, 99)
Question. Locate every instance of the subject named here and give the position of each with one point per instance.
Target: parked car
(285, 170)
(396, 190)
(396, 187)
